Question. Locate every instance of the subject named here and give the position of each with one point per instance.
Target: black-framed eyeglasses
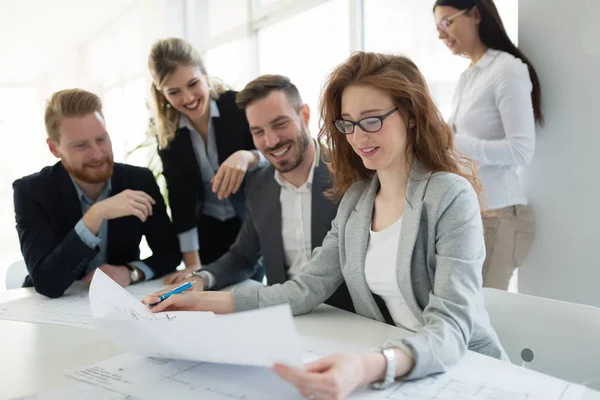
(446, 22)
(370, 124)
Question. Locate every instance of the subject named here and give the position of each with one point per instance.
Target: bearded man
(287, 213)
(87, 212)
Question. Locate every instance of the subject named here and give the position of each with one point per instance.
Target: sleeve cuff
(210, 278)
(86, 236)
(188, 240)
(418, 348)
(148, 273)
(400, 345)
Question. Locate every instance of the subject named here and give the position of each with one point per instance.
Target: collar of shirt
(184, 121)
(81, 196)
(487, 59)
(308, 184)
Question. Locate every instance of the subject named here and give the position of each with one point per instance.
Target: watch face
(134, 275)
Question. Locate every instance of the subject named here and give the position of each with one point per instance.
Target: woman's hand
(332, 377)
(230, 175)
(336, 376)
(217, 302)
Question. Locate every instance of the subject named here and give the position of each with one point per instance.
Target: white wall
(561, 39)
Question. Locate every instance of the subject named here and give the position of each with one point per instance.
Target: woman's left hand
(230, 175)
(331, 377)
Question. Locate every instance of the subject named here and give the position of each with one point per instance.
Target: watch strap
(390, 370)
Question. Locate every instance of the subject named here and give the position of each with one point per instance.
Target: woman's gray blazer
(439, 262)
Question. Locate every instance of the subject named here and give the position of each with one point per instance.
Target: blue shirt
(208, 161)
(101, 239)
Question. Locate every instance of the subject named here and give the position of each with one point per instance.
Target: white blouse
(380, 273)
(494, 124)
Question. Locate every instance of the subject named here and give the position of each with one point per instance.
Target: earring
(168, 105)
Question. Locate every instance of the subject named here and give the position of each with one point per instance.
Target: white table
(33, 357)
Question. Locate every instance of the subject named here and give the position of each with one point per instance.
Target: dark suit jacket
(261, 235)
(182, 171)
(47, 210)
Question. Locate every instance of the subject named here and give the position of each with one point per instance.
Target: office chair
(553, 337)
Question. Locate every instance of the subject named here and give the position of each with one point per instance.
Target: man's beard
(88, 175)
(302, 144)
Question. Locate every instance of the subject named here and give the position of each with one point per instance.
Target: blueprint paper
(260, 337)
(72, 309)
(158, 378)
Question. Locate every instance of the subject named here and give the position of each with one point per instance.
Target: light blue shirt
(101, 239)
(208, 160)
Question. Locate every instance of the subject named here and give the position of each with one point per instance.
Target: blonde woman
(206, 149)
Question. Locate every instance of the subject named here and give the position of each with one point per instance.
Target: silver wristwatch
(390, 370)
(134, 274)
(201, 274)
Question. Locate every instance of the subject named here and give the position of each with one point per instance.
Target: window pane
(117, 52)
(231, 62)
(408, 27)
(126, 116)
(290, 48)
(263, 3)
(136, 120)
(114, 113)
(224, 15)
(24, 152)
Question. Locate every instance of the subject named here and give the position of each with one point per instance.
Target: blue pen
(177, 290)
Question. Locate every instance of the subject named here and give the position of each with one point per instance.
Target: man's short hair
(69, 103)
(262, 86)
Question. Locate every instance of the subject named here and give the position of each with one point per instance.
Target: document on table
(260, 337)
(470, 382)
(77, 391)
(72, 309)
(153, 378)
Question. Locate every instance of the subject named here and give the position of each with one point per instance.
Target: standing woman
(495, 109)
(206, 149)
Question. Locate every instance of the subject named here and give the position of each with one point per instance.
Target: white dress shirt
(493, 120)
(296, 212)
(381, 276)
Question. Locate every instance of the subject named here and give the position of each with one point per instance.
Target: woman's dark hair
(494, 36)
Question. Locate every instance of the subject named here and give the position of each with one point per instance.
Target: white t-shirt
(380, 273)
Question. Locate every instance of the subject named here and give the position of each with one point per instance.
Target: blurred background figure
(495, 108)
